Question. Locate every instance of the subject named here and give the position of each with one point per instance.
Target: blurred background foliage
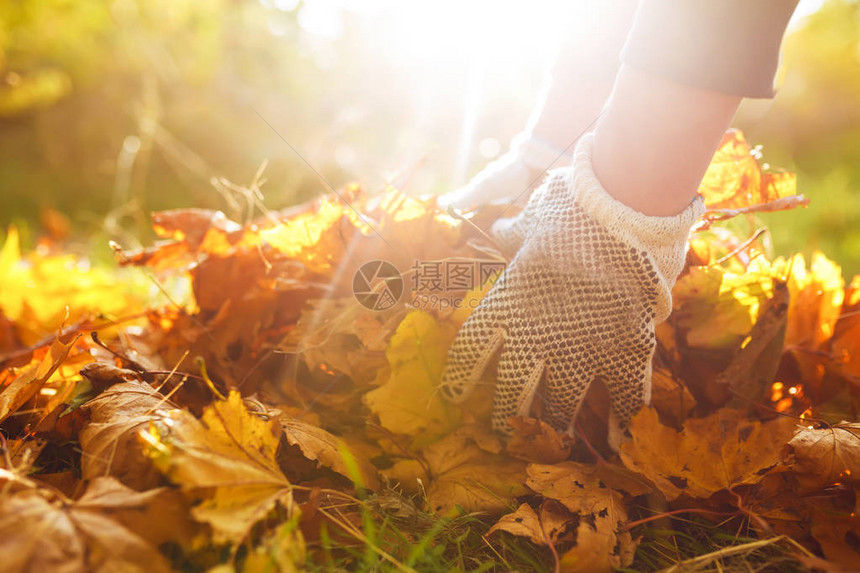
(111, 109)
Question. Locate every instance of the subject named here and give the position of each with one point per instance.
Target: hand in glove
(579, 301)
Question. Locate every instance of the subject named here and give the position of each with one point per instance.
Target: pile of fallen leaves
(239, 410)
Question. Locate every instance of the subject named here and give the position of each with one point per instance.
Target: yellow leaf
(717, 308)
(816, 299)
(409, 401)
(226, 460)
(43, 291)
(735, 179)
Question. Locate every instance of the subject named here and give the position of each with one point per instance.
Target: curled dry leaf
(719, 452)
(28, 383)
(329, 451)
(39, 532)
(110, 441)
(670, 396)
(226, 462)
(548, 527)
(821, 457)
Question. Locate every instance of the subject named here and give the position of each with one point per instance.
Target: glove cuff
(663, 238)
(537, 154)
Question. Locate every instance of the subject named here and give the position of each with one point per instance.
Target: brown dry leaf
(536, 441)
(110, 441)
(463, 474)
(20, 454)
(409, 402)
(838, 537)
(160, 515)
(822, 457)
(551, 526)
(718, 452)
(670, 396)
(39, 532)
(329, 451)
(226, 461)
(28, 383)
(344, 337)
(579, 487)
(735, 179)
(845, 344)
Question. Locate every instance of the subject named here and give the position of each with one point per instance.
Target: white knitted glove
(509, 176)
(579, 301)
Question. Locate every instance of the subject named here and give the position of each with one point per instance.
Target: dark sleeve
(731, 46)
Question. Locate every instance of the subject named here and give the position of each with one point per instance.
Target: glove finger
(519, 374)
(567, 380)
(502, 180)
(629, 384)
(476, 343)
(511, 232)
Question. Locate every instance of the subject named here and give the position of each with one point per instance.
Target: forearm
(656, 139)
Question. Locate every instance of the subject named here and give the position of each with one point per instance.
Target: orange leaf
(735, 178)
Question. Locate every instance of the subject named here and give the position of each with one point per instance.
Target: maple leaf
(40, 532)
(464, 469)
(821, 457)
(226, 461)
(581, 489)
(716, 308)
(735, 179)
(408, 402)
(159, 515)
(721, 451)
(536, 441)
